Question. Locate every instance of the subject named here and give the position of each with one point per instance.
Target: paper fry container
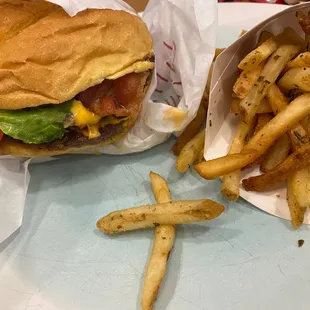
(221, 124)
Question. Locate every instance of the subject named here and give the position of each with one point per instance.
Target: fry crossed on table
(163, 216)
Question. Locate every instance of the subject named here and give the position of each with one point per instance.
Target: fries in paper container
(264, 75)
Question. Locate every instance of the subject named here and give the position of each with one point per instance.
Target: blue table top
(245, 259)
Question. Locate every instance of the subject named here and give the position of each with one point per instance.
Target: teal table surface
(58, 260)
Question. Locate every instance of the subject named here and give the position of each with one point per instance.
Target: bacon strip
(116, 97)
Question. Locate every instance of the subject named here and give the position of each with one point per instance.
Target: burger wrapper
(184, 33)
(221, 124)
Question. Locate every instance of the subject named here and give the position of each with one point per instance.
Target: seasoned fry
(296, 161)
(259, 144)
(297, 213)
(296, 78)
(262, 120)
(306, 125)
(264, 50)
(235, 106)
(278, 102)
(246, 80)
(301, 187)
(277, 154)
(276, 99)
(171, 213)
(264, 107)
(255, 57)
(301, 61)
(300, 180)
(191, 130)
(190, 152)
(163, 243)
(231, 181)
(271, 71)
(160, 188)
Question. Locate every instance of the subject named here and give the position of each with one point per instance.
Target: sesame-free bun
(17, 148)
(48, 57)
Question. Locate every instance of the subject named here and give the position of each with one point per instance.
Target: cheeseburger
(69, 83)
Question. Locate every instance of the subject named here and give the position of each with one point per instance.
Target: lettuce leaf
(36, 125)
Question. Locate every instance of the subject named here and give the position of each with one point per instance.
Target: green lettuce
(36, 125)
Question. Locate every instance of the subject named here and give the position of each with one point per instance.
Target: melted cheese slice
(82, 116)
(92, 131)
(89, 122)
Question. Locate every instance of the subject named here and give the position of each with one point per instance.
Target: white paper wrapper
(184, 33)
(222, 124)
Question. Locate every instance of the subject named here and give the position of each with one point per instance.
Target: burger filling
(96, 114)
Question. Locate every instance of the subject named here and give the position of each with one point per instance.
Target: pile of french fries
(162, 216)
(272, 98)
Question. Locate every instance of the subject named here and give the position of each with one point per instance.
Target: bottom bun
(19, 149)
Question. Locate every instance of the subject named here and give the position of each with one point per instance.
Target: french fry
(277, 154)
(262, 120)
(160, 189)
(270, 73)
(297, 213)
(264, 107)
(306, 125)
(296, 78)
(191, 130)
(258, 55)
(235, 106)
(296, 161)
(301, 187)
(149, 216)
(301, 61)
(264, 50)
(246, 80)
(293, 94)
(231, 181)
(260, 143)
(163, 244)
(278, 102)
(190, 152)
(301, 179)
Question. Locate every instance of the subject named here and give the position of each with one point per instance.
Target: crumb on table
(301, 243)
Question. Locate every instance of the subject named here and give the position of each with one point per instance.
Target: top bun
(48, 57)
